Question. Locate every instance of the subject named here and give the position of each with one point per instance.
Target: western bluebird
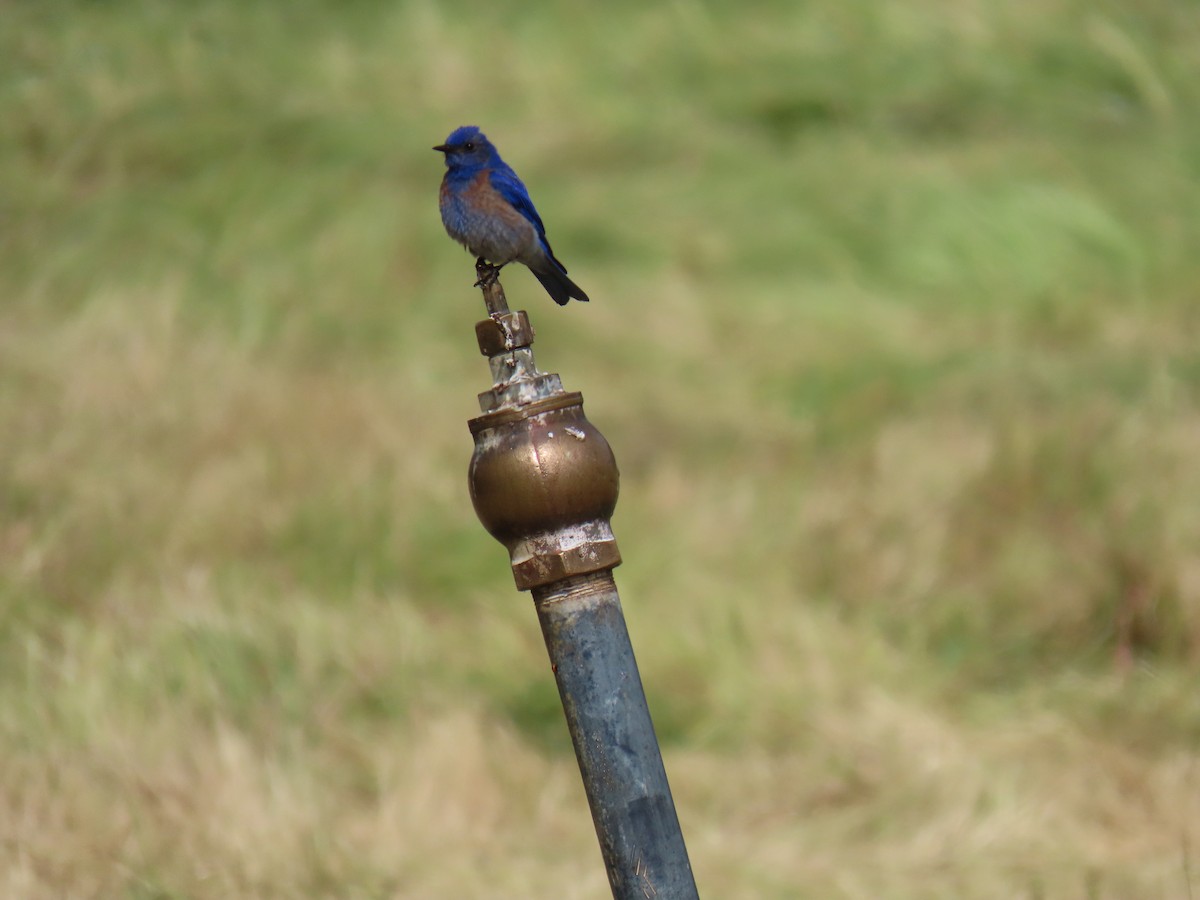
(486, 208)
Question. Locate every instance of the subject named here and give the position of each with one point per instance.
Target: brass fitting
(544, 483)
(543, 480)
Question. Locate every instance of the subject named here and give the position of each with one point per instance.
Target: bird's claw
(488, 274)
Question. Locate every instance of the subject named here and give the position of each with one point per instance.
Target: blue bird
(486, 208)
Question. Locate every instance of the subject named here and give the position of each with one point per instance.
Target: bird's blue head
(467, 148)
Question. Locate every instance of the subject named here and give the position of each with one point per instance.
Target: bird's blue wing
(510, 187)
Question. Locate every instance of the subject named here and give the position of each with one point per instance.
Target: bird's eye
(469, 146)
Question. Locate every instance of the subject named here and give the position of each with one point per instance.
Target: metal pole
(544, 483)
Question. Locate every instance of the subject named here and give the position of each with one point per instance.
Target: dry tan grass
(196, 730)
(895, 351)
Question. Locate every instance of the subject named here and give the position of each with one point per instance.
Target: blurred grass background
(893, 334)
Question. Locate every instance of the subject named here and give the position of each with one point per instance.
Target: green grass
(893, 335)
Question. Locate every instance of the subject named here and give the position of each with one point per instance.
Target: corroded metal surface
(504, 332)
(614, 739)
(544, 482)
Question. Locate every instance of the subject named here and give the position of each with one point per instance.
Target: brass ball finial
(544, 483)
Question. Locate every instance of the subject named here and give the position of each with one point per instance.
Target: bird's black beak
(442, 148)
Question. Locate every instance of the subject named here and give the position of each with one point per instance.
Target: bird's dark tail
(559, 286)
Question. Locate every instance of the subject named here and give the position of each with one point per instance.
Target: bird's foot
(488, 274)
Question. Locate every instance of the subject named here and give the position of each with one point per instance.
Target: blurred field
(894, 333)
